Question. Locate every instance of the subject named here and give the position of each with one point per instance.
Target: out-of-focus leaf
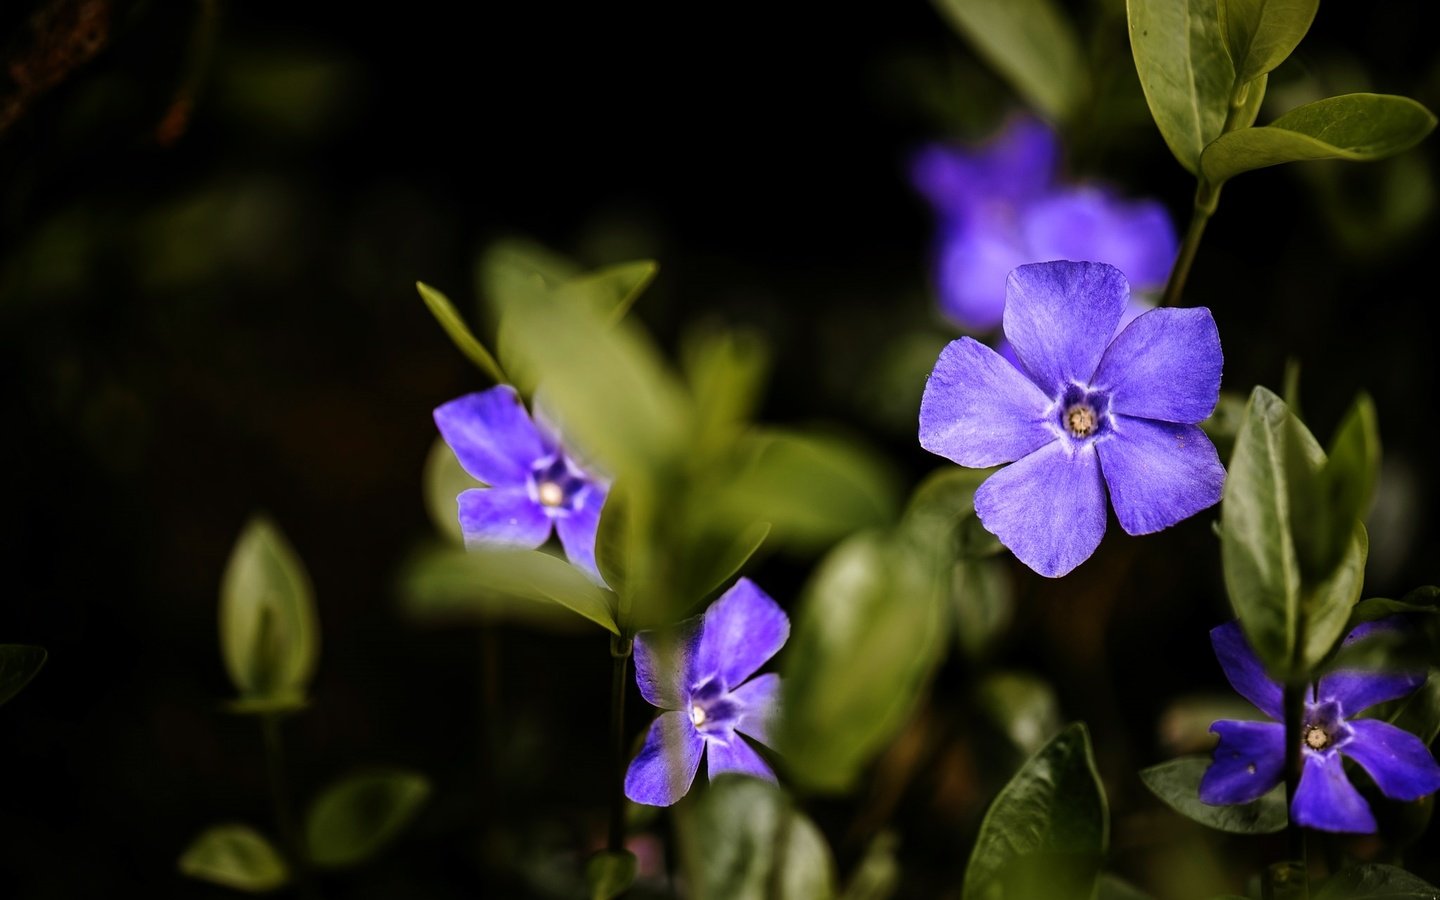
(1023, 706)
(726, 372)
(1047, 831)
(1419, 713)
(269, 635)
(617, 541)
(237, 857)
(449, 318)
(519, 269)
(1185, 71)
(940, 508)
(482, 583)
(444, 481)
(1177, 782)
(1359, 127)
(865, 642)
(1224, 423)
(610, 874)
(1111, 887)
(360, 814)
(1032, 44)
(1261, 34)
(813, 489)
(18, 664)
(610, 291)
(982, 596)
(710, 567)
(750, 843)
(1376, 882)
(878, 875)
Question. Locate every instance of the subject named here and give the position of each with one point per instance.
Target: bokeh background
(211, 219)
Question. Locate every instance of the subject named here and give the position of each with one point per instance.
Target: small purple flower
(702, 684)
(1250, 758)
(1000, 205)
(533, 483)
(1081, 413)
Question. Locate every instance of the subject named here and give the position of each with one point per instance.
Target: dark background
(211, 219)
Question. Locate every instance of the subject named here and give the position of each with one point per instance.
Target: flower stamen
(550, 494)
(1316, 738)
(697, 715)
(1080, 420)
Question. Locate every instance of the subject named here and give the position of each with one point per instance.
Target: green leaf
(1328, 604)
(18, 664)
(1419, 713)
(1184, 70)
(1375, 882)
(610, 291)
(269, 635)
(1261, 34)
(617, 541)
(1177, 782)
(1032, 44)
(444, 480)
(1047, 831)
(357, 815)
(235, 856)
(872, 599)
(877, 877)
(1346, 484)
(487, 582)
(708, 566)
(750, 843)
(519, 268)
(445, 313)
(610, 874)
(726, 373)
(1358, 127)
(1024, 706)
(1112, 887)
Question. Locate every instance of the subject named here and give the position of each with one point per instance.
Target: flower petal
(1244, 670)
(663, 770)
(1159, 473)
(734, 755)
(491, 435)
(1016, 165)
(978, 410)
(503, 517)
(1399, 761)
(971, 264)
(1327, 801)
(1088, 222)
(1358, 690)
(1048, 508)
(759, 700)
(1249, 761)
(577, 530)
(663, 661)
(1059, 316)
(1165, 365)
(742, 630)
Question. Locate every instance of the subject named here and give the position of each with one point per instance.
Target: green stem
(1294, 709)
(1206, 200)
(290, 839)
(620, 648)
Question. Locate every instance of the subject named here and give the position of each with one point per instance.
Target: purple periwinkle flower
(534, 484)
(709, 698)
(1250, 758)
(1001, 205)
(1081, 413)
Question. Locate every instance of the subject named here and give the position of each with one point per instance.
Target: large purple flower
(704, 684)
(1082, 412)
(1000, 205)
(533, 483)
(1250, 758)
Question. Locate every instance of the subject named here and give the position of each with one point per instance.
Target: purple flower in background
(1081, 413)
(533, 483)
(1250, 758)
(702, 684)
(1000, 205)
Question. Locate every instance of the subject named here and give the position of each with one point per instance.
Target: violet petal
(978, 410)
(1327, 801)
(1165, 365)
(1048, 508)
(663, 770)
(1399, 761)
(1059, 316)
(492, 435)
(1159, 473)
(1248, 762)
(503, 516)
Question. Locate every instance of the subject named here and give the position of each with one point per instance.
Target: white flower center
(697, 715)
(1080, 420)
(1316, 738)
(550, 493)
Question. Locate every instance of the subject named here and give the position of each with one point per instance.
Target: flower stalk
(620, 649)
(290, 838)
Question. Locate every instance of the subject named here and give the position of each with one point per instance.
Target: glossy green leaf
(1359, 127)
(1024, 707)
(1184, 70)
(872, 599)
(237, 857)
(1177, 782)
(444, 480)
(18, 664)
(359, 814)
(1376, 882)
(460, 334)
(610, 291)
(1030, 42)
(751, 843)
(1249, 98)
(269, 635)
(488, 583)
(1261, 34)
(610, 874)
(1328, 603)
(1047, 831)
(1346, 485)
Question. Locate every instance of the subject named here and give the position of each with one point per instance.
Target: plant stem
(1206, 199)
(620, 648)
(1294, 708)
(280, 802)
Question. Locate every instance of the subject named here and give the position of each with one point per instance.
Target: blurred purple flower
(1250, 758)
(533, 483)
(1000, 205)
(1082, 412)
(702, 684)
